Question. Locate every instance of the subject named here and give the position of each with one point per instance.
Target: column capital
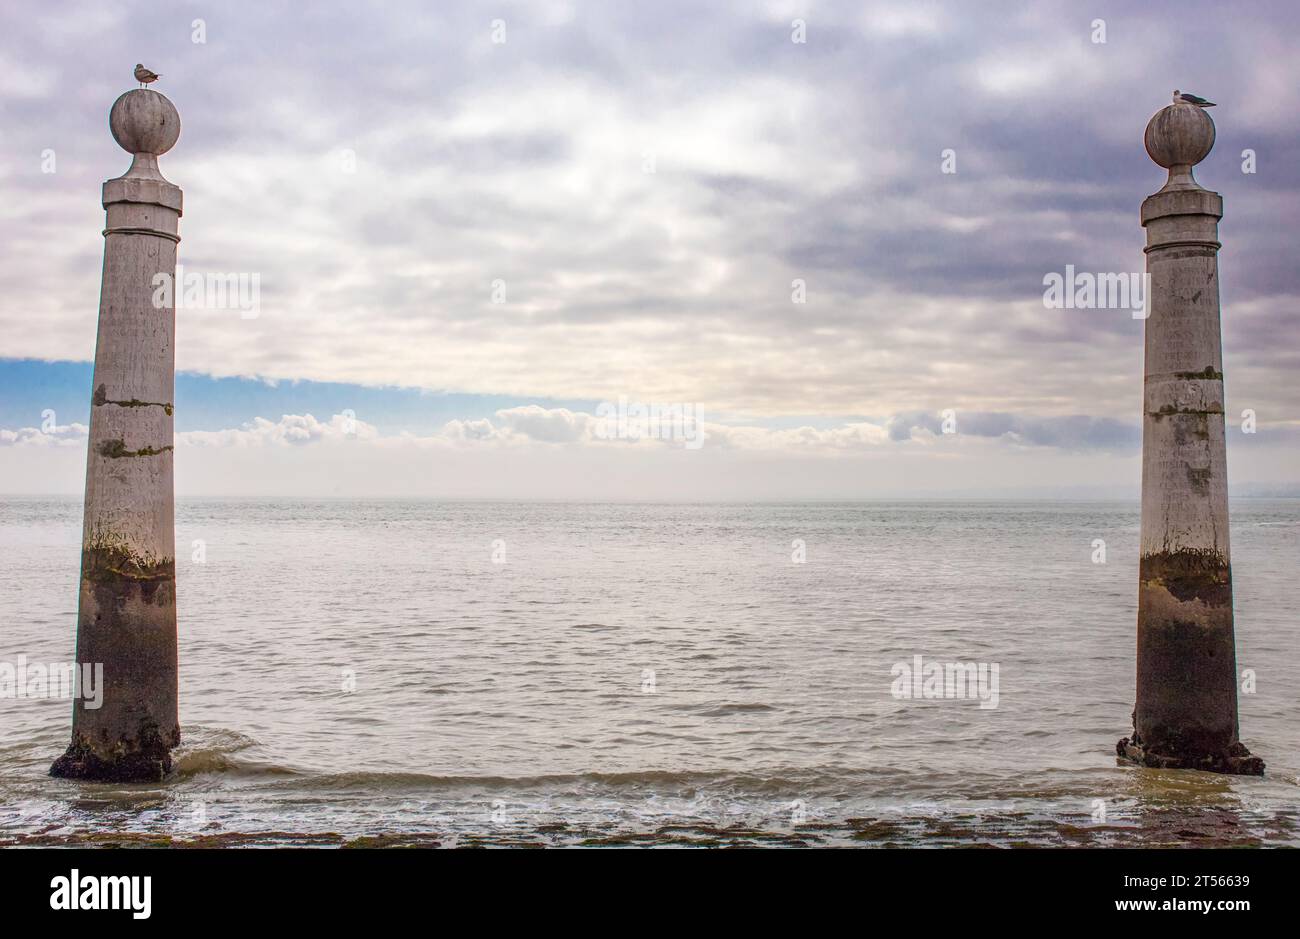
(146, 191)
(1182, 218)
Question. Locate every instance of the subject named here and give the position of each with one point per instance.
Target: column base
(81, 762)
(1235, 761)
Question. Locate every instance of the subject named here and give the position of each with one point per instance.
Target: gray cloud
(523, 163)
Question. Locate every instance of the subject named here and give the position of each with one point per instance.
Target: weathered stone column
(1186, 712)
(127, 611)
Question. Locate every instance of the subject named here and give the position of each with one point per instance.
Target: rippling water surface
(582, 673)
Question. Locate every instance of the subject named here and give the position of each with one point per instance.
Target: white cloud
(469, 430)
(530, 425)
(289, 430)
(63, 435)
(548, 425)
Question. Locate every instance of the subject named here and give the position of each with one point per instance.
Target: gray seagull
(1182, 98)
(144, 76)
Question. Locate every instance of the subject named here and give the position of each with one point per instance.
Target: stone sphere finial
(144, 122)
(1178, 137)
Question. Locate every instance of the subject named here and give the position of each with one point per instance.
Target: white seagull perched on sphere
(1181, 98)
(144, 76)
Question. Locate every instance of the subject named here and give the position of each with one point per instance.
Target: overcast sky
(472, 223)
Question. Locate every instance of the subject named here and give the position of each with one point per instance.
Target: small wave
(726, 710)
(778, 780)
(206, 751)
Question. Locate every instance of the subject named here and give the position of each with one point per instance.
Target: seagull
(1180, 98)
(144, 76)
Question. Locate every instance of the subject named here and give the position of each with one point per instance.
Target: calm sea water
(463, 673)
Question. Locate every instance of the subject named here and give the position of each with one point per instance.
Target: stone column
(126, 617)
(1186, 711)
